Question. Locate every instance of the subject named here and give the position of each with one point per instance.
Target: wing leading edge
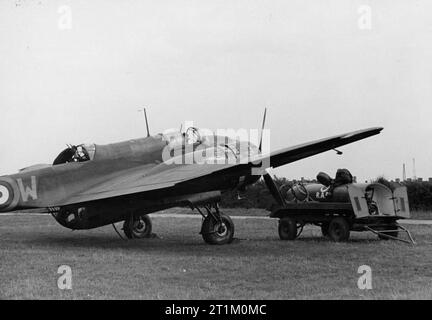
(291, 154)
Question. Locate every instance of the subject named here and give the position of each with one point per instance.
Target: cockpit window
(90, 149)
(233, 150)
(193, 135)
(79, 153)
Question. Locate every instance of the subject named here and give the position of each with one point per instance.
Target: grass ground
(179, 265)
(421, 215)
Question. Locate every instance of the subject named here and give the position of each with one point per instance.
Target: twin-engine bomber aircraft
(90, 186)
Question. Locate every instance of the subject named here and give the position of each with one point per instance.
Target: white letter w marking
(28, 191)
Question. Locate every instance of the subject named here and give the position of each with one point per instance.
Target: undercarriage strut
(216, 228)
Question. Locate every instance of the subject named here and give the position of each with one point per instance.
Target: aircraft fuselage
(54, 184)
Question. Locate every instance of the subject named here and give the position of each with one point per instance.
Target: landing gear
(137, 226)
(217, 228)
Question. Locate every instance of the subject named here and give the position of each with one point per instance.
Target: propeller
(262, 129)
(274, 190)
(271, 185)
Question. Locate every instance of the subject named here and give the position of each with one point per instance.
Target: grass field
(177, 264)
(421, 214)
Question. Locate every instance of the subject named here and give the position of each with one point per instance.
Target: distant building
(397, 180)
(420, 179)
(409, 180)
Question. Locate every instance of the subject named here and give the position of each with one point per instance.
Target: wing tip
(368, 132)
(379, 129)
(371, 129)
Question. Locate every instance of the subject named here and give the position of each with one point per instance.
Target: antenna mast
(262, 129)
(403, 172)
(143, 110)
(414, 170)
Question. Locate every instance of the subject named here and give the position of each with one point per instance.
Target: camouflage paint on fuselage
(50, 186)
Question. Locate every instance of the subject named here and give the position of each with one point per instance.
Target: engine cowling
(88, 217)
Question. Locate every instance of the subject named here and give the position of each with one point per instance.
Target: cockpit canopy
(222, 145)
(153, 148)
(192, 135)
(78, 153)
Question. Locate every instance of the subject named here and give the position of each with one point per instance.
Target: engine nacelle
(88, 217)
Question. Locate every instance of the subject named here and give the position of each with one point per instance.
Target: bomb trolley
(350, 207)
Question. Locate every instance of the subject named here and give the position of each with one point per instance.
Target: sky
(78, 71)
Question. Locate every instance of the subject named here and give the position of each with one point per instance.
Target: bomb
(327, 190)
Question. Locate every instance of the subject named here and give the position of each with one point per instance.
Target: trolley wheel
(325, 229)
(287, 229)
(339, 229)
(394, 233)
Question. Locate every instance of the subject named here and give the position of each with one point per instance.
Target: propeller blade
(271, 185)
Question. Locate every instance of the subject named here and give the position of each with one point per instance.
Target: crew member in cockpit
(80, 154)
(192, 135)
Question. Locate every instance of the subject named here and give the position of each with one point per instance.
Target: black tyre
(394, 233)
(137, 227)
(287, 229)
(325, 229)
(217, 232)
(339, 229)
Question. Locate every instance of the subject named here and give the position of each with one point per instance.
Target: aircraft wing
(291, 154)
(171, 175)
(134, 181)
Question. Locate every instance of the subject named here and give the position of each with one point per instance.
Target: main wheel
(137, 226)
(339, 229)
(287, 229)
(217, 231)
(393, 233)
